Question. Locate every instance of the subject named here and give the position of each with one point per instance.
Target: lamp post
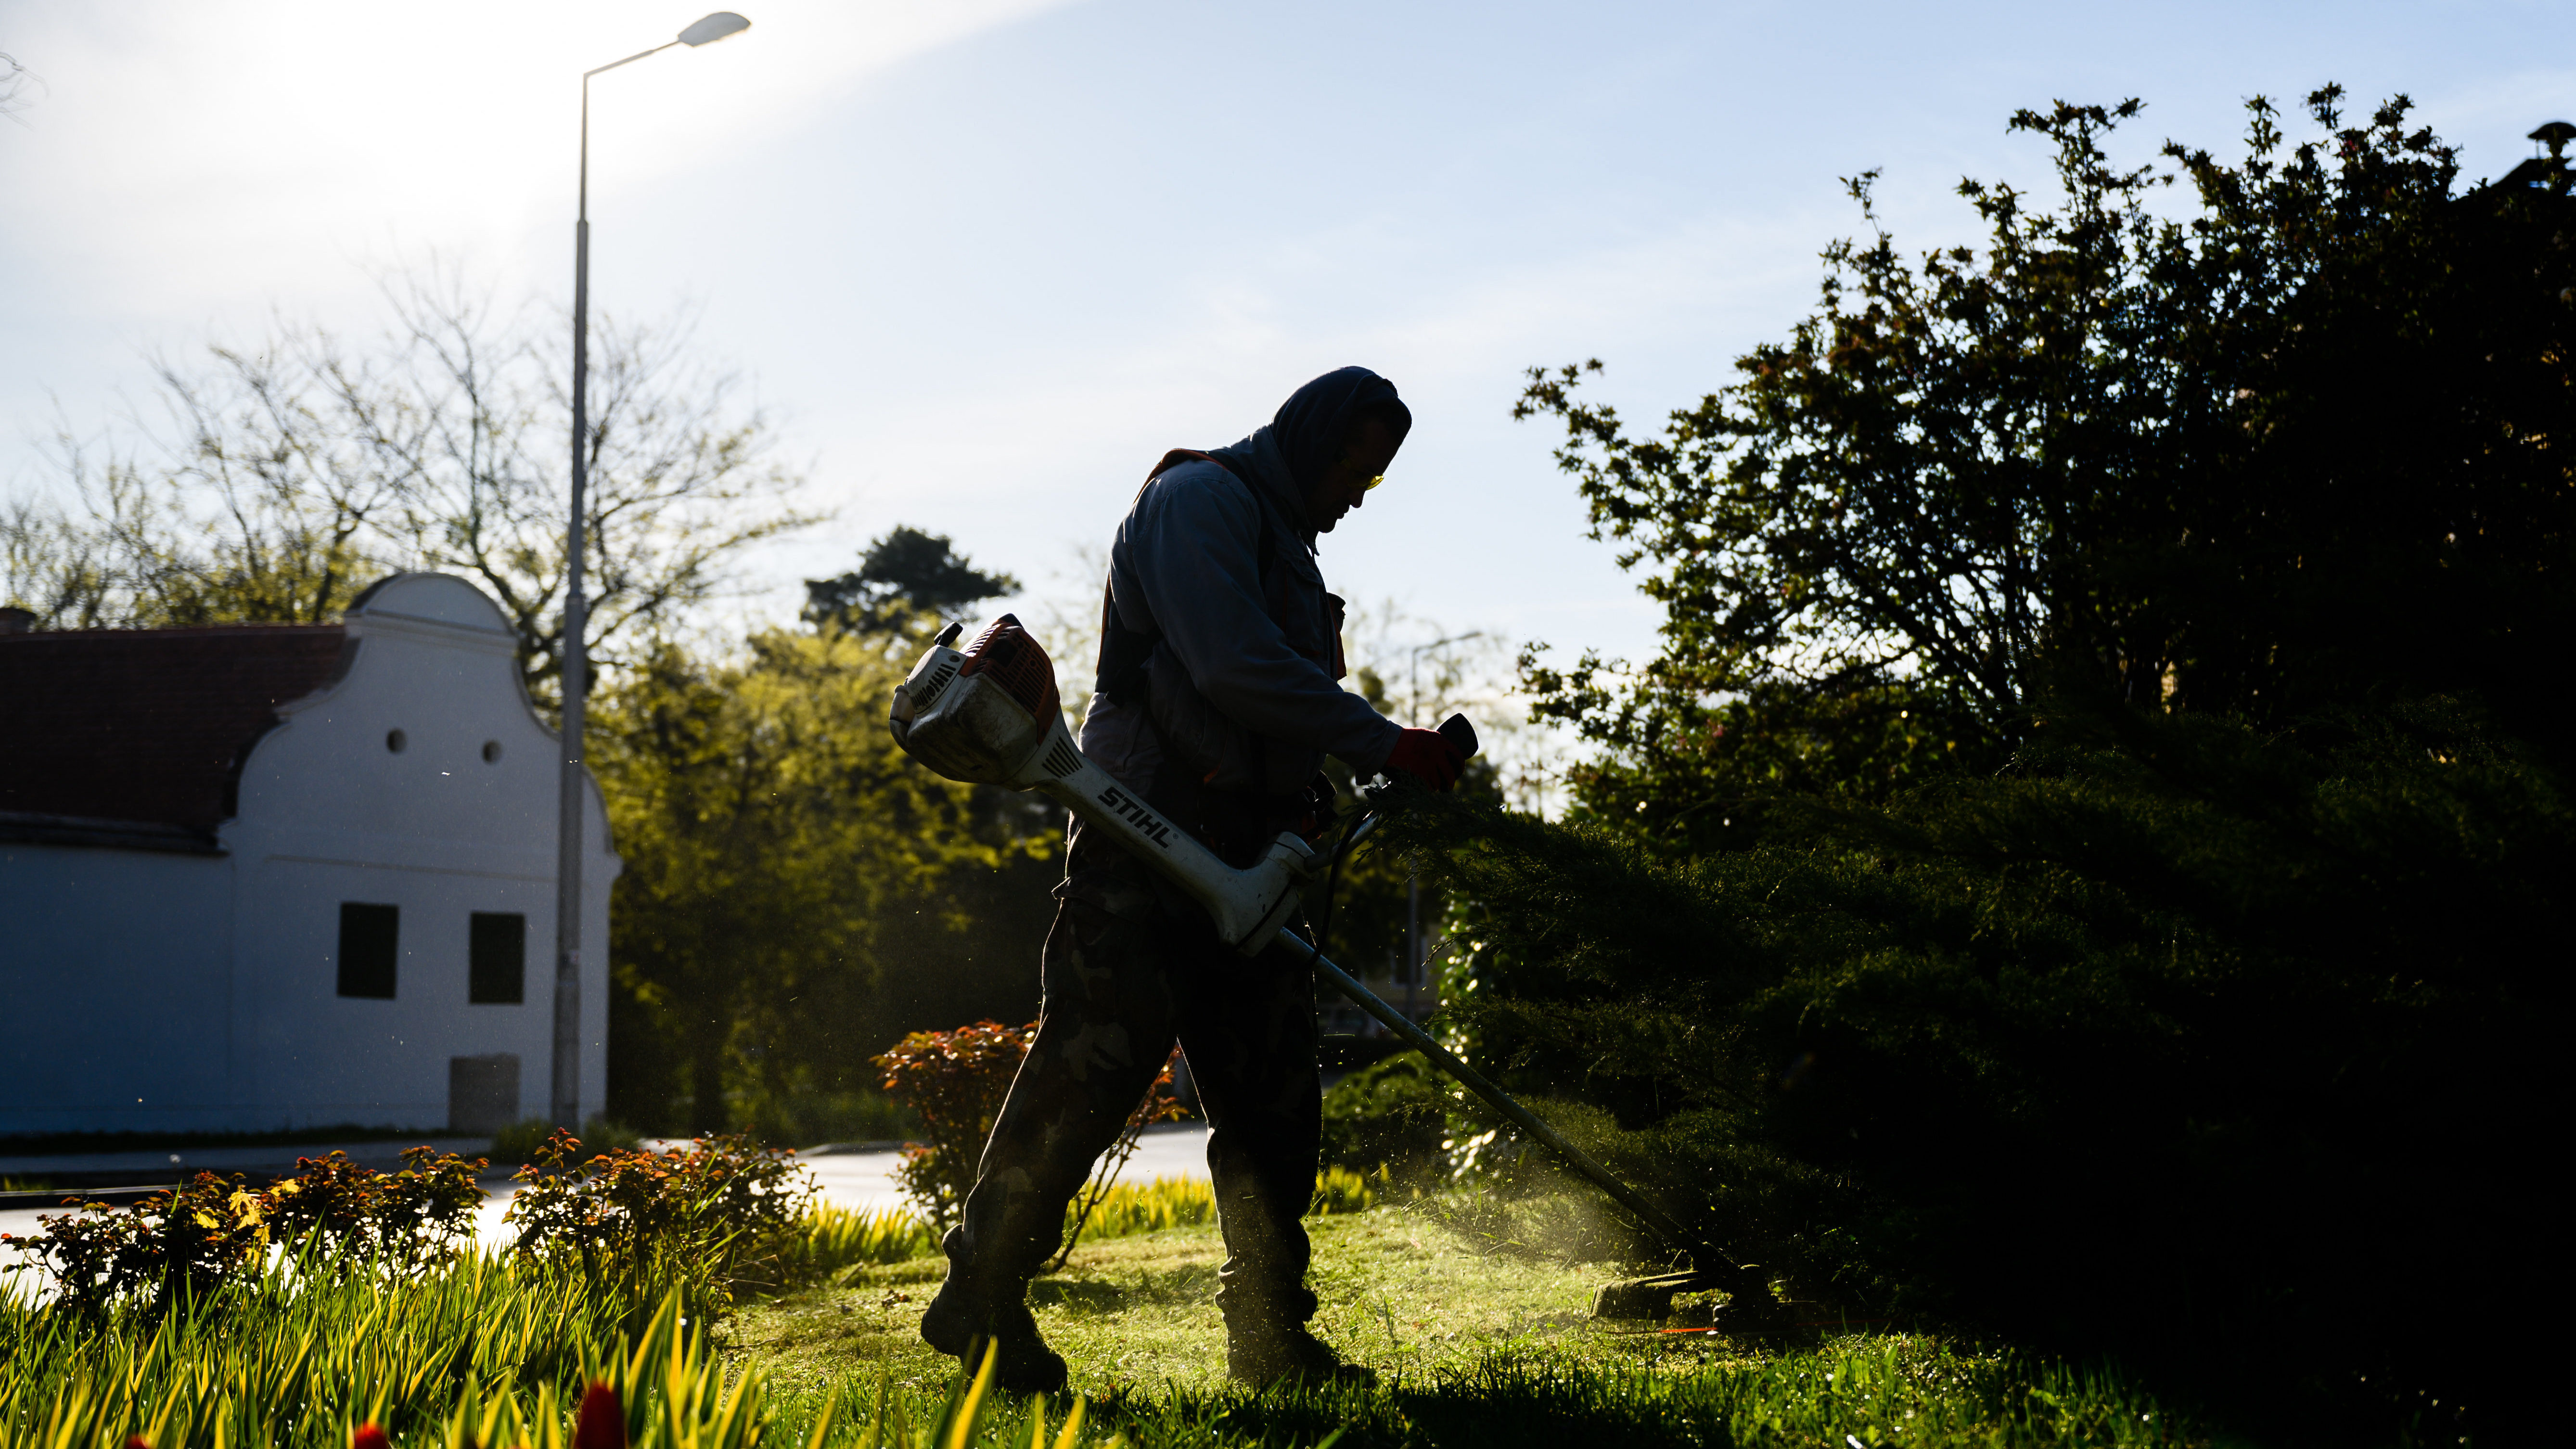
(1413, 878)
(566, 1104)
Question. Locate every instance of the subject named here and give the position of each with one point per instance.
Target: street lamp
(566, 1105)
(1413, 877)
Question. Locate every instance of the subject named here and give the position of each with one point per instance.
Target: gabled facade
(285, 876)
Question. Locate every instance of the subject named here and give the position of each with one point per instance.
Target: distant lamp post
(566, 1105)
(1413, 952)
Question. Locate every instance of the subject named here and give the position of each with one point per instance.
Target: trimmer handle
(1455, 729)
(1458, 732)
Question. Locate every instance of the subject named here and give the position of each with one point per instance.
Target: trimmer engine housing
(990, 715)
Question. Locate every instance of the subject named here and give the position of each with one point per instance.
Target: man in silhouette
(1218, 698)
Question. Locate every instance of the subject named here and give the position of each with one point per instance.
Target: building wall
(115, 989)
(232, 963)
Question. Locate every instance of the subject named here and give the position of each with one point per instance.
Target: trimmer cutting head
(1652, 1298)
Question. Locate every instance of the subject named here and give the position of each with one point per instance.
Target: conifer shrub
(1388, 1116)
(2220, 1049)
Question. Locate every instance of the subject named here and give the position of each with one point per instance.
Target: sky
(988, 259)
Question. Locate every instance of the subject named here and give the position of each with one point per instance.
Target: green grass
(1476, 1346)
(1473, 1346)
(297, 1357)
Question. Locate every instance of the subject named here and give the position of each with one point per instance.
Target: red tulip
(602, 1424)
(368, 1436)
(133, 1442)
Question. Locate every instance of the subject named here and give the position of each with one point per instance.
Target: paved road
(160, 1165)
(864, 1179)
(847, 1178)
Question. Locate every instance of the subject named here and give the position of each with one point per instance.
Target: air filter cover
(977, 716)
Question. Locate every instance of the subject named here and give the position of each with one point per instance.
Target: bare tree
(290, 474)
(14, 79)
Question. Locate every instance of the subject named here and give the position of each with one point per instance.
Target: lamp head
(714, 27)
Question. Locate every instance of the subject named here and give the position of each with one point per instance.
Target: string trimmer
(990, 715)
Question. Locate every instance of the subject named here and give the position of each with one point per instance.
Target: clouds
(196, 153)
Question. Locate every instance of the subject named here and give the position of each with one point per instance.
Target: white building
(285, 876)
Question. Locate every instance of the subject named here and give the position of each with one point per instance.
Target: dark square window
(497, 959)
(369, 937)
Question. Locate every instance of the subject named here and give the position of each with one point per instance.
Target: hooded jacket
(1240, 690)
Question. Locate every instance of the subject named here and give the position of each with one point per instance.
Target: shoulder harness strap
(1124, 651)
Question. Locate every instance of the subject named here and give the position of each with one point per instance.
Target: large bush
(2226, 1050)
(1389, 1116)
(955, 1082)
(2080, 860)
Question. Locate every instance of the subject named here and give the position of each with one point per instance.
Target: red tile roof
(148, 725)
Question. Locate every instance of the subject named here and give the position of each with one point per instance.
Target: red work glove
(1427, 756)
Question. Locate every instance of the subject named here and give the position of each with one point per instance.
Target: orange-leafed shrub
(956, 1082)
(718, 1214)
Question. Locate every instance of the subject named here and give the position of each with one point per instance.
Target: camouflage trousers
(1125, 975)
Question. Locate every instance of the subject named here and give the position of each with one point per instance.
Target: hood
(1297, 447)
(1261, 457)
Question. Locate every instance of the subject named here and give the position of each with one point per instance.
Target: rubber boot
(966, 1316)
(1264, 1347)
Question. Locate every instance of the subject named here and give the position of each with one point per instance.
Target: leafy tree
(791, 899)
(2274, 456)
(806, 894)
(903, 574)
(293, 472)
